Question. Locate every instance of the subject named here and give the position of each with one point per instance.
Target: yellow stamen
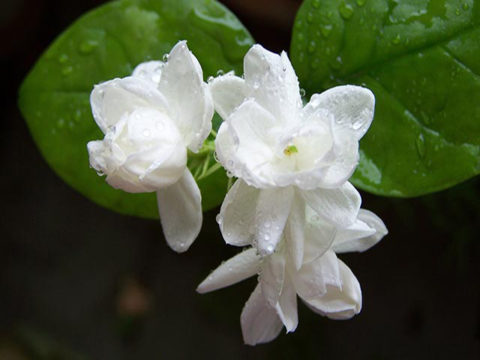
(290, 149)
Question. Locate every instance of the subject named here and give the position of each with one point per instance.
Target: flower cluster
(291, 206)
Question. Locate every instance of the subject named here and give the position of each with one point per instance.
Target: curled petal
(112, 99)
(250, 142)
(273, 83)
(228, 92)
(260, 322)
(237, 214)
(352, 107)
(362, 235)
(338, 206)
(180, 208)
(234, 270)
(314, 278)
(287, 305)
(188, 96)
(339, 302)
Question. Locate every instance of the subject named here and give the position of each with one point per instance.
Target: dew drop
(301, 57)
(67, 70)
(302, 93)
(420, 145)
(465, 6)
(310, 17)
(220, 72)
(165, 58)
(87, 47)
(346, 10)
(219, 219)
(62, 59)
(361, 2)
(60, 123)
(396, 40)
(266, 237)
(270, 248)
(210, 78)
(312, 46)
(326, 29)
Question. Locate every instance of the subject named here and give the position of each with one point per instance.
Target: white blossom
(322, 281)
(285, 153)
(150, 119)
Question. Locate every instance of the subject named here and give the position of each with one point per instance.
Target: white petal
(273, 83)
(260, 322)
(313, 279)
(272, 276)
(113, 99)
(345, 150)
(180, 208)
(188, 96)
(352, 106)
(340, 302)
(150, 71)
(287, 305)
(228, 92)
(362, 235)
(234, 270)
(95, 154)
(338, 206)
(295, 231)
(249, 129)
(237, 214)
(319, 237)
(273, 208)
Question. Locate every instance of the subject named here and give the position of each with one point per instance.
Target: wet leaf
(421, 59)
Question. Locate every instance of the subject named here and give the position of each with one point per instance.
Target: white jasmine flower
(323, 281)
(150, 119)
(285, 152)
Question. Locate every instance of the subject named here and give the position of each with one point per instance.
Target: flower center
(290, 149)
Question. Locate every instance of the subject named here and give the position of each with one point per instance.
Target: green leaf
(421, 59)
(109, 42)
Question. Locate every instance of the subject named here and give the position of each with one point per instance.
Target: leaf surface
(421, 60)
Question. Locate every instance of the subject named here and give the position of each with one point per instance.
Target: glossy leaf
(422, 60)
(109, 42)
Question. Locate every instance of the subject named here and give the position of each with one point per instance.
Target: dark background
(80, 282)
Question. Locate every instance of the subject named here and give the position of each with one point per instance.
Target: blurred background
(80, 282)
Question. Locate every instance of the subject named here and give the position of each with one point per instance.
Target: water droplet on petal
(219, 219)
(165, 58)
